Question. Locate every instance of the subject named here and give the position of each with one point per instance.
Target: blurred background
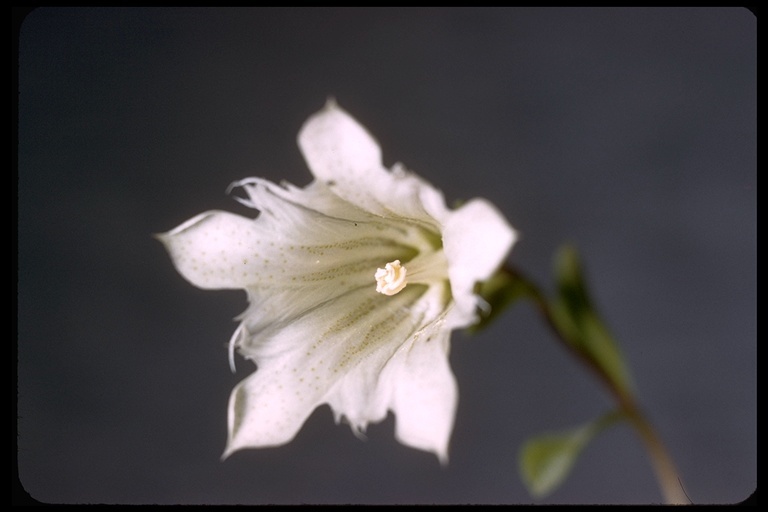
(630, 133)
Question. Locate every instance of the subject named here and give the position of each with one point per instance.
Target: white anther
(391, 279)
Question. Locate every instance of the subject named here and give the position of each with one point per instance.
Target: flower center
(391, 279)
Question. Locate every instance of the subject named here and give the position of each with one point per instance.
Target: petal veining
(342, 154)
(334, 353)
(354, 284)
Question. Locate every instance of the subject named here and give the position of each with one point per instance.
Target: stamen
(391, 279)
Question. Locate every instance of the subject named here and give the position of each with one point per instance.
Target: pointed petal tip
(228, 450)
(330, 109)
(331, 103)
(165, 238)
(441, 453)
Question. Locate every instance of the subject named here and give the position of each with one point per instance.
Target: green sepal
(574, 315)
(499, 291)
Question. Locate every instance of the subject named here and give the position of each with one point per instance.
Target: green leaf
(546, 460)
(575, 316)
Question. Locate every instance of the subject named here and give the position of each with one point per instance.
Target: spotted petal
(312, 263)
(337, 353)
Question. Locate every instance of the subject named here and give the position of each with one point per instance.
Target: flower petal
(342, 154)
(425, 392)
(306, 257)
(333, 353)
(476, 239)
(265, 409)
(366, 389)
(213, 250)
(291, 257)
(316, 327)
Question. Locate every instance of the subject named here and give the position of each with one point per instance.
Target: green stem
(663, 466)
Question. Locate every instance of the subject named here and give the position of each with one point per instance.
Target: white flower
(312, 263)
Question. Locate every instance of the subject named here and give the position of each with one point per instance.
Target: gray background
(629, 132)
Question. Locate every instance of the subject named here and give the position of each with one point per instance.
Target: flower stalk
(576, 341)
(354, 285)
